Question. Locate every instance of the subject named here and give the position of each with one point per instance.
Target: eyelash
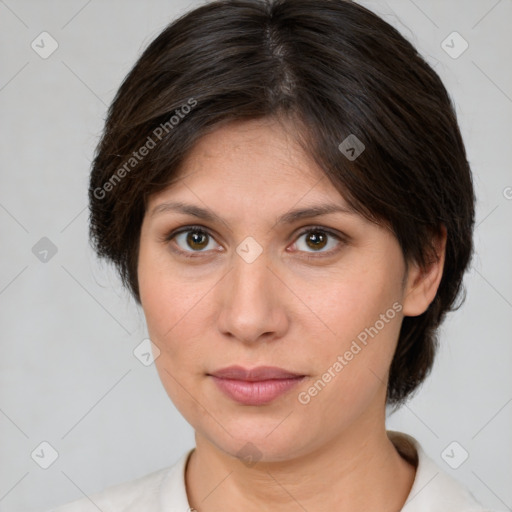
(308, 256)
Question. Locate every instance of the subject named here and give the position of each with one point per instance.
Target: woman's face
(319, 297)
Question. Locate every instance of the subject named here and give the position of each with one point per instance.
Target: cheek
(362, 310)
(174, 316)
(348, 302)
(171, 298)
(178, 308)
(352, 372)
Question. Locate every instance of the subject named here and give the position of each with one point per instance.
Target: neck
(357, 471)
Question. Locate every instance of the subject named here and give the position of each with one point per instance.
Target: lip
(255, 386)
(258, 373)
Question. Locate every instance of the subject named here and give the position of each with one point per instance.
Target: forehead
(253, 159)
(256, 143)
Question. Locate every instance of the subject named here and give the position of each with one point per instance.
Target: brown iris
(197, 239)
(316, 239)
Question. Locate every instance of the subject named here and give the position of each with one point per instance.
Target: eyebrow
(287, 218)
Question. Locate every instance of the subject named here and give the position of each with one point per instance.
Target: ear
(422, 282)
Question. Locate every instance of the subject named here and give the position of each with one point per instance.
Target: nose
(252, 302)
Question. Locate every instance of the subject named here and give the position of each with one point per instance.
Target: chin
(258, 439)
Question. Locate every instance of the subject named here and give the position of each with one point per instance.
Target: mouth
(256, 386)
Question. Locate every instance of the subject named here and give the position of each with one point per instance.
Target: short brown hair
(336, 69)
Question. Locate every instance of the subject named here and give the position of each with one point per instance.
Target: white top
(164, 490)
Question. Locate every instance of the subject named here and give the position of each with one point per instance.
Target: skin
(215, 310)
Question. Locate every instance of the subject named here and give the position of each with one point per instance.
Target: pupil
(317, 238)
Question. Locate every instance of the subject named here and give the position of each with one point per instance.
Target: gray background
(68, 329)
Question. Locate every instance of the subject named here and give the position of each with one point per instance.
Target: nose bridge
(250, 303)
(251, 279)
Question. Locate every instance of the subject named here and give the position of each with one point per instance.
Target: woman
(284, 189)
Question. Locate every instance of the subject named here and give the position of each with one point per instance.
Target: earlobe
(422, 283)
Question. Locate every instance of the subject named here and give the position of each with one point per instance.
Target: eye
(192, 239)
(317, 239)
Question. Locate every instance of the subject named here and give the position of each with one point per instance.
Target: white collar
(433, 489)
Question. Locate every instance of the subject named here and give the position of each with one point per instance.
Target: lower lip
(255, 393)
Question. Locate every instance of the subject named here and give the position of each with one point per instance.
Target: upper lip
(254, 374)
